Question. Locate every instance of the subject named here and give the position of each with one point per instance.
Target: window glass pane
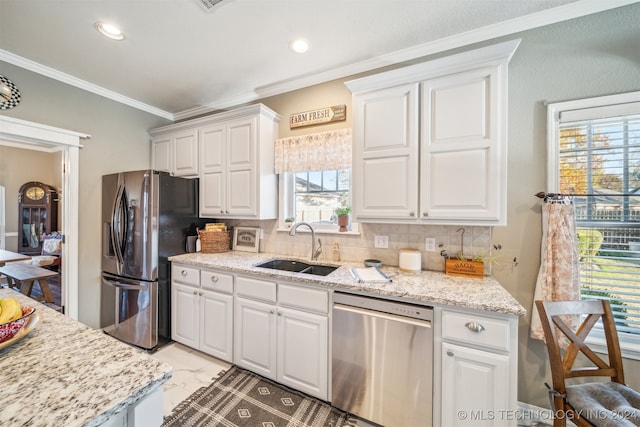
(326, 191)
(315, 181)
(330, 180)
(302, 181)
(600, 166)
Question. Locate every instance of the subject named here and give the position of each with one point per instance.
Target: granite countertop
(64, 373)
(433, 288)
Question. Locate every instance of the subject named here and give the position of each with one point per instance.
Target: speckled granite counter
(64, 373)
(429, 287)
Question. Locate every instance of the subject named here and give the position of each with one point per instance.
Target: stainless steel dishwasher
(382, 360)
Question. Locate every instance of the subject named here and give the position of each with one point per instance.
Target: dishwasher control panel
(385, 306)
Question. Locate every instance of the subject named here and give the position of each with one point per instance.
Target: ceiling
(178, 61)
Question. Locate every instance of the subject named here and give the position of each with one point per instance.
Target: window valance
(314, 152)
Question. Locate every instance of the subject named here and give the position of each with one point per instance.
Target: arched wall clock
(9, 94)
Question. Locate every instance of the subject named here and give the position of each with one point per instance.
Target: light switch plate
(381, 241)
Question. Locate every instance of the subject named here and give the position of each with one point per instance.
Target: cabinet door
(463, 147)
(385, 166)
(161, 154)
(212, 170)
(185, 314)
(185, 153)
(216, 325)
(474, 383)
(241, 167)
(255, 337)
(303, 351)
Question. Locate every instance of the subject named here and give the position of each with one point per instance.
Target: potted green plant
(343, 217)
(288, 221)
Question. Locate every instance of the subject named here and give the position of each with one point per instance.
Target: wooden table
(8, 256)
(23, 276)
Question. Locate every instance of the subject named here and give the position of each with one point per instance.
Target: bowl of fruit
(13, 318)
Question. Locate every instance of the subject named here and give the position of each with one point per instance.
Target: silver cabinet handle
(200, 293)
(412, 214)
(214, 279)
(450, 353)
(221, 211)
(425, 213)
(195, 292)
(272, 311)
(475, 327)
(183, 273)
(279, 313)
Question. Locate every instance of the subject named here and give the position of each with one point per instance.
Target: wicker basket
(213, 242)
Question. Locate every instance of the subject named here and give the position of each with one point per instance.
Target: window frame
(554, 110)
(286, 183)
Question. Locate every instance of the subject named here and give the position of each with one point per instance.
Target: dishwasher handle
(382, 315)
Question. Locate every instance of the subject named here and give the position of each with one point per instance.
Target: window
(595, 156)
(319, 193)
(315, 177)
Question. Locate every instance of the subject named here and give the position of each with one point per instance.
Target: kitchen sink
(298, 267)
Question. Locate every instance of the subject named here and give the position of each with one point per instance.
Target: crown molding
(52, 73)
(554, 15)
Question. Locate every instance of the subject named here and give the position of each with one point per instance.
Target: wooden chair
(594, 403)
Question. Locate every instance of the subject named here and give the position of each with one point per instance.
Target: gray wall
(592, 56)
(119, 141)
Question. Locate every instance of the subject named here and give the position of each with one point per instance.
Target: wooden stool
(23, 276)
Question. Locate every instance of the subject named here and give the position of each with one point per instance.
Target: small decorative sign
(320, 116)
(246, 239)
(464, 268)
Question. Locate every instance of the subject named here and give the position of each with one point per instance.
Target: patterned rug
(241, 398)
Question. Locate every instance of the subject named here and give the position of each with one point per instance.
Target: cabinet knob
(221, 211)
(214, 279)
(450, 353)
(412, 214)
(226, 212)
(272, 311)
(475, 327)
(279, 313)
(195, 292)
(183, 273)
(425, 213)
(200, 293)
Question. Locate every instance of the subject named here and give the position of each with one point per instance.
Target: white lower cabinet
(202, 310)
(478, 375)
(284, 338)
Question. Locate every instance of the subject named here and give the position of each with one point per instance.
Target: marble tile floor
(191, 370)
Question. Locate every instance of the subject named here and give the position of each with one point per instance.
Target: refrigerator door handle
(116, 225)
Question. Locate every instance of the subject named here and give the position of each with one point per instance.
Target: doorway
(38, 137)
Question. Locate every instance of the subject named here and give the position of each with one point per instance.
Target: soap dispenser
(336, 252)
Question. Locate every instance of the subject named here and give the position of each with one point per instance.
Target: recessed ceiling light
(299, 45)
(109, 30)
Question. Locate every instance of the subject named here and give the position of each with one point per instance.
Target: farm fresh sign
(320, 116)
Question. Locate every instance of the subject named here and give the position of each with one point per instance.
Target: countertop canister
(410, 260)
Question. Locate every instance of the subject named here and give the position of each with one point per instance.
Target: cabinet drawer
(216, 281)
(257, 289)
(186, 275)
(305, 298)
(489, 331)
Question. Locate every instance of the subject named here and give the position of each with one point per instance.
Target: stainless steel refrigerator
(146, 218)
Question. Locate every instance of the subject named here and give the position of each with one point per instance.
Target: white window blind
(598, 157)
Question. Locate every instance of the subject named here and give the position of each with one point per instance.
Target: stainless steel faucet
(315, 253)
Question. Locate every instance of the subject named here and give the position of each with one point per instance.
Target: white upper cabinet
(234, 159)
(387, 151)
(430, 140)
(176, 153)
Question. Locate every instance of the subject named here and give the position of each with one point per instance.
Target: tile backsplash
(356, 248)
